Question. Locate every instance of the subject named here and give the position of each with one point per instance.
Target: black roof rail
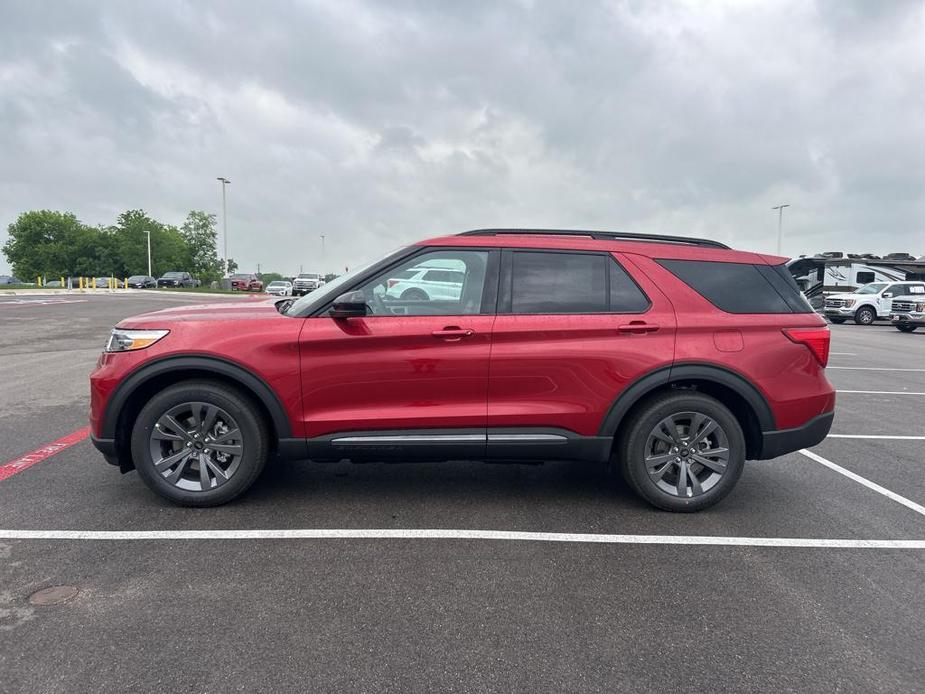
(598, 235)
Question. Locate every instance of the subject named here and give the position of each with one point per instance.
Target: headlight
(130, 340)
(920, 307)
(848, 303)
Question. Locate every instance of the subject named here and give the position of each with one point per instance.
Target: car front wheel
(199, 443)
(838, 321)
(865, 316)
(905, 327)
(682, 451)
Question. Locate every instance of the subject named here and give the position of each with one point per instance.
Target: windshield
(136, 278)
(277, 283)
(309, 276)
(173, 274)
(871, 288)
(318, 298)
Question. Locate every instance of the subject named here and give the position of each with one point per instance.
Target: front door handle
(453, 333)
(638, 327)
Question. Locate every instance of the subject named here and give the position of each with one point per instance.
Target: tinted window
(625, 295)
(865, 277)
(737, 287)
(558, 283)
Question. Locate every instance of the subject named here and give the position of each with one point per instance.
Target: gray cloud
(380, 123)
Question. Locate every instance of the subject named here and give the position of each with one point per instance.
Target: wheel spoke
(165, 463)
(175, 426)
(174, 476)
(696, 489)
(209, 420)
(161, 434)
(667, 433)
(220, 476)
(654, 461)
(718, 466)
(681, 486)
(204, 480)
(704, 430)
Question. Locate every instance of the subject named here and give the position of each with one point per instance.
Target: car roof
(649, 245)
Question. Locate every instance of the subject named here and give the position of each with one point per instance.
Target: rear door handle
(451, 333)
(638, 327)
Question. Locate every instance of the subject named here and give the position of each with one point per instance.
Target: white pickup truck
(868, 303)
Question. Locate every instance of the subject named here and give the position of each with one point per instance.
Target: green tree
(267, 277)
(232, 266)
(198, 231)
(44, 242)
(124, 246)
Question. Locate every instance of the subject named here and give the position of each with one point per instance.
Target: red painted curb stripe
(39, 454)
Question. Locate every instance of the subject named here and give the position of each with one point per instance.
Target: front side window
(437, 283)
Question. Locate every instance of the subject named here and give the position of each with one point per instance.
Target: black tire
(838, 321)
(252, 441)
(906, 328)
(639, 433)
(414, 294)
(865, 316)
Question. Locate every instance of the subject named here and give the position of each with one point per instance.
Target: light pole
(322, 254)
(780, 222)
(148, 233)
(225, 183)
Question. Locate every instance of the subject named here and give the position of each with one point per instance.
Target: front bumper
(841, 312)
(908, 318)
(777, 443)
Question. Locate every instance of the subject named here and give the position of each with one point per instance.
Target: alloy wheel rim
(686, 454)
(196, 446)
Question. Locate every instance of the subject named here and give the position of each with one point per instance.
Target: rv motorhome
(830, 272)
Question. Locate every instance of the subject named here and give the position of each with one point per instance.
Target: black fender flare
(209, 364)
(683, 372)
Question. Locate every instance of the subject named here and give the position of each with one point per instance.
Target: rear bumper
(777, 443)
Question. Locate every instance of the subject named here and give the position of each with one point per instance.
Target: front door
(412, 375)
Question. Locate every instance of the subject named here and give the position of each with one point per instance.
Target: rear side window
(865, 277)
(553, 283)
(741, 287)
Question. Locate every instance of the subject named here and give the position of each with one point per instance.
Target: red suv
(675, 359)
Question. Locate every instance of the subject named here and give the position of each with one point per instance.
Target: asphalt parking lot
(809, 577)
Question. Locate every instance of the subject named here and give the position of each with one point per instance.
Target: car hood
(849, 295)
(225, 311)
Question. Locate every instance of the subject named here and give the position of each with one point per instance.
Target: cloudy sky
(378, 123)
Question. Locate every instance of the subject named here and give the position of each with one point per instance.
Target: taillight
(816, 340)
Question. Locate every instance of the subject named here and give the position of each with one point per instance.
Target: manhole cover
(53, 596)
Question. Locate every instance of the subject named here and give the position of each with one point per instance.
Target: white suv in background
(426, 283)
(868, 303)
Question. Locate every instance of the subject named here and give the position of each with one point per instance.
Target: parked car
(908, 312)
(107, 282)
(7, 279)
(868, 303)
(674, 359)
(176, 279)
(280, 288)
(426, 282)
(246, 282)
(142, 282)
(306, 282)
(53, 284)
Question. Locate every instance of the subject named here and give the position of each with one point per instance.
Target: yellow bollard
(38, 281)
(63, 285)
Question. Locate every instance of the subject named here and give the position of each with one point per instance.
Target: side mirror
(349, 305)
(887, 295)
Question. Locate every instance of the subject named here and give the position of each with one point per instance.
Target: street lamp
(148, 233)
(780, 222)
(322, 253)
(225, 183)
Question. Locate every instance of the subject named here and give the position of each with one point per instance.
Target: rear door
(573, 330)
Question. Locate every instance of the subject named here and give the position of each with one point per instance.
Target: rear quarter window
(740, 287)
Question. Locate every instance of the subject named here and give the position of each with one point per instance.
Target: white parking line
(866, 482)
(870, 368)
(880, 392)
(450, 534)
(875, 436)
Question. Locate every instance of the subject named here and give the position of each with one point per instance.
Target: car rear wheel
(865, 316)
(905, 327)
(682, 451)
(414, 294)
(199, 443)
(838, 321)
